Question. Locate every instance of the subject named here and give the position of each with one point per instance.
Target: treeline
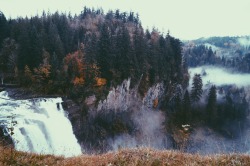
(225, 108)
(226, 42)
(59, 53)
(200, 55)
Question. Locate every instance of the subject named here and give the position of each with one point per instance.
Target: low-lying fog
(220, 76)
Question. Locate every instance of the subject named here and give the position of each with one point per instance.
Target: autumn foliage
(100, 81)
(74, 68)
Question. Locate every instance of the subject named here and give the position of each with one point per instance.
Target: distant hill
(229, 52)
(225, 42)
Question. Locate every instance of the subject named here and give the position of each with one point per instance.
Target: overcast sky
(186, 19)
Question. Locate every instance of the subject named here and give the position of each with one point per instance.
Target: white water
(42, 126)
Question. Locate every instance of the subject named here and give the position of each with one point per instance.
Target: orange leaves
(155, 102)
(43, 71)
(74, 67)
(74, 63)
(100, 81)
(78, 81)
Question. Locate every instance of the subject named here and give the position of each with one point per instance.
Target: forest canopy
(59, 53)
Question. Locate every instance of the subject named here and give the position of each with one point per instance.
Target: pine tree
(103, 56)
(3, 27)
(196, 91)
(211, 105)
(186, 107)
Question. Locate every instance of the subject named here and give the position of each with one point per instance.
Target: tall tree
(103, 56)
(186, 107)
(196, 91)
(3, 27)
(211, 105)
(8, 56)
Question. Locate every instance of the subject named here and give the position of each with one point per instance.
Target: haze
(185, 19)
(220, 76)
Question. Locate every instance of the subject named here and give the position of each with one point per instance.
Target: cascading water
(42, 126)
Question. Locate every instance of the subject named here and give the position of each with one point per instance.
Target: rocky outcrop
(154, 96)
(5, 139)
(119, 98)
(124, 116)
(122, 98)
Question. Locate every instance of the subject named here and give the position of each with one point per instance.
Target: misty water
(42, 126)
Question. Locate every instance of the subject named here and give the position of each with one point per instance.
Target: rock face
(123, 119)
(5, 139)
(122, 98)
(119, 99)
(153, 96)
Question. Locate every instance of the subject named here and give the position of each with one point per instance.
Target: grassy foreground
(131, 157)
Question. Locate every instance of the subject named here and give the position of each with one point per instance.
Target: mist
(220, 76)
(207, 141)
(148, 122)
(244, 41)
(149, 132)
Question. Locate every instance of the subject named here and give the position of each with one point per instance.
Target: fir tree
(196, 91)
(211, 105)
(186, 107)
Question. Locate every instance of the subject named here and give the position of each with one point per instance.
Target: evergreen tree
(8, 56)
(35, 48)
(103, 56)
(55, 43)
(24, 42)
(196, 91)
(3, 27)
(186, 107)
(123, 53)
(212, 106)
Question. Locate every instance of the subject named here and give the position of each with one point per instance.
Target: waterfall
(41, 126)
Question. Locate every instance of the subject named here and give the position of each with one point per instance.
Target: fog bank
(220, 76)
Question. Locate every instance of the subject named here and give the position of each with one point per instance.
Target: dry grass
(131, 157)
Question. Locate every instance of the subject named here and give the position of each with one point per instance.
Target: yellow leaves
(100, 81)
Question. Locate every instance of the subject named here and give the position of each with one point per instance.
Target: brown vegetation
(130, 157)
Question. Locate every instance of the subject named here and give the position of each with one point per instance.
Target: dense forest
(59, 53)
(229, 52)
(78, 56)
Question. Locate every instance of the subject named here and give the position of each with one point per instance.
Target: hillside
(229, 52)
(123, 86)
(132, 157)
